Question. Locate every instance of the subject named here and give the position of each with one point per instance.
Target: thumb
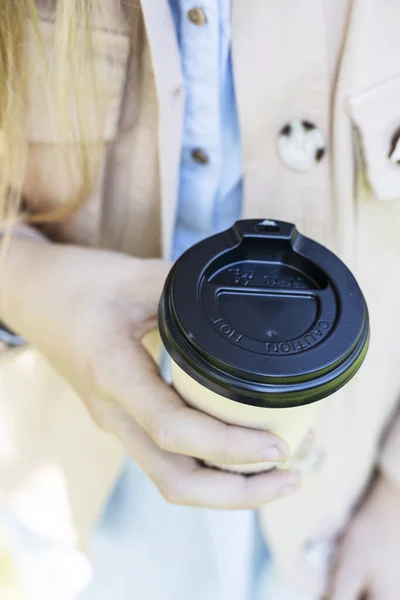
(147, 283)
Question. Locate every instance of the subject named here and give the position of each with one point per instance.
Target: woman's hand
(86, 311)
(369, 557)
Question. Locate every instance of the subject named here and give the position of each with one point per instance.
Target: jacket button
(301, 145)
(197, 16)
(394, 151)
(200, 156)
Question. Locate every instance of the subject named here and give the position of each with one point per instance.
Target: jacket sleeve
(390, 454)
(22, 229)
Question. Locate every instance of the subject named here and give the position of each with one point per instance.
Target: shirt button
(301, 145)
(197, 16)
(200, 156)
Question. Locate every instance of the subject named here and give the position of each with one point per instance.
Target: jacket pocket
(108, 63)
(375, 113)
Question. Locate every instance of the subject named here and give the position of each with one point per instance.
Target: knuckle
(171, 491)
(95, 373)
(100, 414)
(160, 432)
(228, 449)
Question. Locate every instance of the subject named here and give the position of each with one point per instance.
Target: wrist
(16, 272)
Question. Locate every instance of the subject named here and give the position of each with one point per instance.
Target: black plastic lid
(264, 316)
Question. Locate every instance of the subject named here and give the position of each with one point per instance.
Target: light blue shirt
(210, 195)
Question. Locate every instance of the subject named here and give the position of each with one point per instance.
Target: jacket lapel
(170, 94)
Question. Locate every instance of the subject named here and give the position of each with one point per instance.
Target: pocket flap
(376, 115)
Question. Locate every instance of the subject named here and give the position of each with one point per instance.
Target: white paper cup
(262, 324)
(291, 424)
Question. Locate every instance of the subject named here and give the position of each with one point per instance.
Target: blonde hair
(72, 49)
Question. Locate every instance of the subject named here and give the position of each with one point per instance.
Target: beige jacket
(332, 62)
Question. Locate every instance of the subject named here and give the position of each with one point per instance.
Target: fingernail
(273, 454)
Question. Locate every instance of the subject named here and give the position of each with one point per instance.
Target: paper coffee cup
(261, 324)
